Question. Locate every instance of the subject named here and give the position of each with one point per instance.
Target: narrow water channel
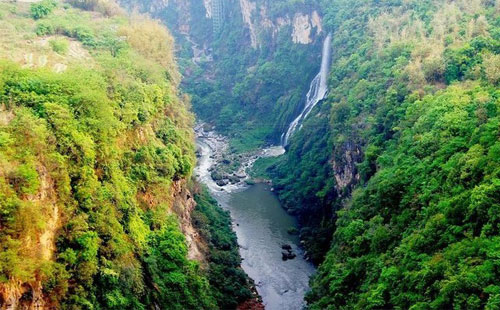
(261, 226)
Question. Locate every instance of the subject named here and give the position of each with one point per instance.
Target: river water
(261, 226)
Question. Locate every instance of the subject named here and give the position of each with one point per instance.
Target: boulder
(240, 175)
(216, 176)
(286, 255)
(221, 182)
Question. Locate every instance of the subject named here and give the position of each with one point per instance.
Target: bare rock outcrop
(183, 205)
(345, 170)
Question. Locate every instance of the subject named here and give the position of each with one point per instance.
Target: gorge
(249, 154)
(265, 226)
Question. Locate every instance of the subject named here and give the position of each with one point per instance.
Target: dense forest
(96, 156)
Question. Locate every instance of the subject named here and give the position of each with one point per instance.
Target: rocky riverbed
(229, 170)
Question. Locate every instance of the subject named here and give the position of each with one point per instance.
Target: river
(261, 226)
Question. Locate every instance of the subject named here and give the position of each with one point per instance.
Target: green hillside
(96, 149)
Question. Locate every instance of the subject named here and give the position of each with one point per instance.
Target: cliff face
(262, 20)
(345, 170)
(305, 24)
(26, 296)
(38, 248)
(247, 63)
(36, 238)
(183, 206)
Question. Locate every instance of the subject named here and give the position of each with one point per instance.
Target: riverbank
(260, 223)
(232, 287)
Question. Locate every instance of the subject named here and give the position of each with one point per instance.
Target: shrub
(59, 46)
(25, 179)
(44, 29)
(492, 68)
(42, 9)
(434, 69)
(83, 35)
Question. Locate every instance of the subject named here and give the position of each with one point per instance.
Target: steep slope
(411, 125)
(96, 150)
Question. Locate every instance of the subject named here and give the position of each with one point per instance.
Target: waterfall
(317, 91)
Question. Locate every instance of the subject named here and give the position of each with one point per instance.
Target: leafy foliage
(422, 233)
(43, 8)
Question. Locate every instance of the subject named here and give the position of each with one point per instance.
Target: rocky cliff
(345, 170)
(305, 23)
(260, 18)
(38, 246)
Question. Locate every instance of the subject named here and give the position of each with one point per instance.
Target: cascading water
(317, 91)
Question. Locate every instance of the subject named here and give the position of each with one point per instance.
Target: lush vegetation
(228, 280)
(395, 176)
(423, 233)
(90, 150)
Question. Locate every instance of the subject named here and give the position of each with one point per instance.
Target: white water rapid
(317, 91)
